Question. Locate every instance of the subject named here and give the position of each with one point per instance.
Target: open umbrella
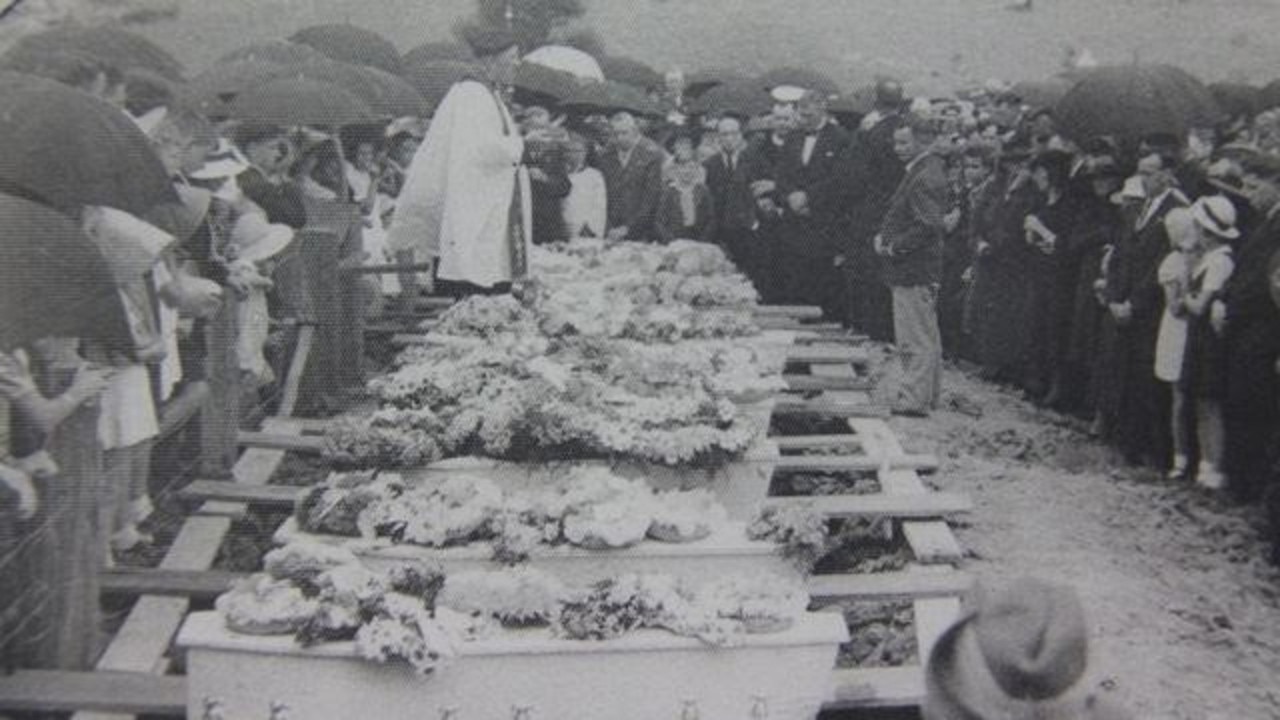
(800, 77)
(352, 44)
(700, 81)
(631, 71)
(429, 51)
(1132, 101)
(433, 79)
(71, 149)
(292, 101)
(610, 97)
(123, 49)
(1042, 93)
(567, 59)
(739, 97)
(1269, 97)
(539, 85)
(56, 283)
(387, 95)
(1237, 99)
(850, 108)
(212, 91)
(275, 51)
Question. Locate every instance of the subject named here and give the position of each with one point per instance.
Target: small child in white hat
(254, 243)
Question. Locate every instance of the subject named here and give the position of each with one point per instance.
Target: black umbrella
(351, 44)
(1269, 97)
(609, 97)
(433, 79)
(1042, 93)
(701, 81)
(387, 95)
(120, 48)
(800, 77)
(428, 52)
(631, 71)
(275, 51)
(71, 149)
(1132, 101)
(212, 91)
(741, 97)
(292, 101)
(56, 283)
(538, 84)
(1237, 99)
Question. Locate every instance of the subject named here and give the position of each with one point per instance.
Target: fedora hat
(1215, 214)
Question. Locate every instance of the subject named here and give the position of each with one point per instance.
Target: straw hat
(256, 239)
(224, 162)
(1216, 215)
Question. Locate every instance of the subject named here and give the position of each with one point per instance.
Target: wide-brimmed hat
(256, 239)
(1025, 642)
(786, 93)
(130, 245)
(1215, 214)
(225, 161)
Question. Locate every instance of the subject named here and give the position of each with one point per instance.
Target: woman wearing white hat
(1204, 362)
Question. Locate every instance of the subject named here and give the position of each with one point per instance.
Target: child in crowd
(1204, 364)
(585, 207)
(254, 244)
(1175, 277)
(685, 210)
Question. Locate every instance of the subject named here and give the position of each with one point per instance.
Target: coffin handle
(759, 707)
(522, 712)
(214, 709)
(689, 710)
(280, 711)
(449, 713)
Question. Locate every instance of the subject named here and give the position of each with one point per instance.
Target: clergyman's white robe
(456, 201)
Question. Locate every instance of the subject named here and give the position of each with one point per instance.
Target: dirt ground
(1183, 607)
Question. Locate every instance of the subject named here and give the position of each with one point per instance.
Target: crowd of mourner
(1127, 281)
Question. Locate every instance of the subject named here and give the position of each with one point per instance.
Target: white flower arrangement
(514, 597)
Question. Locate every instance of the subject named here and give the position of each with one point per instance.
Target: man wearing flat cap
(465, 204)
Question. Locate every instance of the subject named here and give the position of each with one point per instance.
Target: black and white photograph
(639, 360)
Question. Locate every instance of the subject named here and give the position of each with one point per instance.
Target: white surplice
(456, 201)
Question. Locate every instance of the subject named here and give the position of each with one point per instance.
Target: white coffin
(648, 675)
(741, 485)
(726, 552)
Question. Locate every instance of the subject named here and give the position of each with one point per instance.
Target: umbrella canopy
(123, 49)
(800, 77)
(275, 51)
(426, 52)
(538, 84)
(56, 282)
(1129, 102)
(567, 59)
(610, 97)
(740, 97)
(631, 71)
(1237, 99)
(386, 95)
(433, 79)
(351, 44)
(290, 101)
(1042, 93)
(212, 91)
(71, 149)
(1269, 96)
(855, 105)
(701, 81)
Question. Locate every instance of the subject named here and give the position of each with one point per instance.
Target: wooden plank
(408, 339)
(834, 408)
(799, 312)
(227, 492)
(814, 442)
(932, 542)
(854, 462)
(806, 383)
(309, 444)
(194, 584)
(51, 691)
(297, 366)
(219, 418)
(310, 425)
(877, 687)
(827, 354)
(180, 410)
(390, 269)
(932, 618)
(899, 506)
(782, 322)
(889, 586)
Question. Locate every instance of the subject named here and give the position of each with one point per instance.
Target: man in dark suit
(270, 153)
(910, 241)
(632, 169)
(732, 176)
(809, 179)
(1136, 302)
(872, 172)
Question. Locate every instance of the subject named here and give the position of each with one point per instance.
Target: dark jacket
(283, 203)
(634, 190)
(1137, 263)
(670, 223)
(913, 226)
(823, 177)
(731, 188)
(872, 172)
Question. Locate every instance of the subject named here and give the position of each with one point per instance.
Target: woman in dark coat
(1050, 231)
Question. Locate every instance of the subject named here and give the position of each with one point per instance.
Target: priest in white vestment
(465, 203)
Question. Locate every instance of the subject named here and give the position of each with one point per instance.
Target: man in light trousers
(910, 244)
